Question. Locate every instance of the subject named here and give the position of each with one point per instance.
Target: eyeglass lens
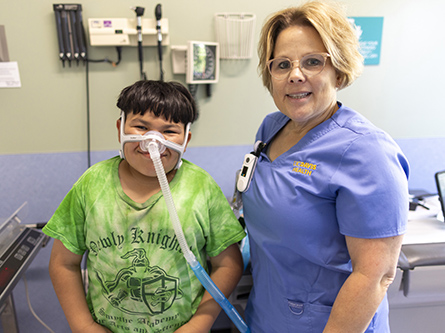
(311, 64)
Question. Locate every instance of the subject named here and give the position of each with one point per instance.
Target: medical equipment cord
(198, 270)
(88, 114)
(113, 63)
(31, 309)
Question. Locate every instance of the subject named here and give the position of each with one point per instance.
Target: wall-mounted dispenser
(235, 33)
(123, 32)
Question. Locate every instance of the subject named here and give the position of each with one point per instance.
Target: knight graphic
(143, 284)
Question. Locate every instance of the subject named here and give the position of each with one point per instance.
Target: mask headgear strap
(138, 138)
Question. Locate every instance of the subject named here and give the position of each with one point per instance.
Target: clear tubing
(201, 274)
(153, 148)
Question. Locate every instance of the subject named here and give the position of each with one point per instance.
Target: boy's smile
(139, 162)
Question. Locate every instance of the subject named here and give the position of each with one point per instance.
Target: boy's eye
(170, 132)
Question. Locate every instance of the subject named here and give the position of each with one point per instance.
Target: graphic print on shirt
(139, 282)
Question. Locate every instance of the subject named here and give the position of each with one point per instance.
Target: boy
(138, 278)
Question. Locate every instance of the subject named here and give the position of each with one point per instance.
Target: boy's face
(139, 160)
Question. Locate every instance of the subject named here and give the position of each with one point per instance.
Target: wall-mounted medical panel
(123, 32)
(199, 61)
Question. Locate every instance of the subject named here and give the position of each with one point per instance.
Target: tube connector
(152, 138)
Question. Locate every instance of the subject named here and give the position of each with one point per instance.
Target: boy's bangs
(170, 100)
(171, 109)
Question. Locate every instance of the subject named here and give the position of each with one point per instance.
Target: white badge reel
(245, 176)
(248, 168)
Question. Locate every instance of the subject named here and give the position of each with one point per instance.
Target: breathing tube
(155, 148)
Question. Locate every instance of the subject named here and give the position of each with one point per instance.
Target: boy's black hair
(170, 100)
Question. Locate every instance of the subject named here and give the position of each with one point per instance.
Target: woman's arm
(374, 263)
(65, 273)
(227, 269)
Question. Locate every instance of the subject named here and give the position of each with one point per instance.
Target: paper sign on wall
(369, 32)
(9, 75)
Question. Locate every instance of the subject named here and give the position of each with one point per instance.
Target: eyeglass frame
(325, 55)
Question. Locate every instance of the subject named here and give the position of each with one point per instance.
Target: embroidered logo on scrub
(304, 168)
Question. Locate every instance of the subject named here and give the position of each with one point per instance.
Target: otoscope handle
(158, 15)
(158, 12)
(59, 32)
(140, 55)
(160, 50)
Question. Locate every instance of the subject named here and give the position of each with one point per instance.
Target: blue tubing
(219, 297)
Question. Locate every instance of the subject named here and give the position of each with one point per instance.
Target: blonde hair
(336, 32)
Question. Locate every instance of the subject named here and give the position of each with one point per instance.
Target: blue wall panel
(44, 179)
(426, 156)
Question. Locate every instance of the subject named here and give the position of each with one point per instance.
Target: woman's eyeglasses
(310, 65)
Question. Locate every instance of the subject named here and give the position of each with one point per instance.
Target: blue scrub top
(344, 177)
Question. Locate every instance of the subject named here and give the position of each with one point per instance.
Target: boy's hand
(66, 276)
(227, 268)
(189, 328)
(94, 328)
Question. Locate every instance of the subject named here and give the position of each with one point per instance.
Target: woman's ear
(339, 82)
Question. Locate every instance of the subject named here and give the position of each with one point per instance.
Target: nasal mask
(144, 141)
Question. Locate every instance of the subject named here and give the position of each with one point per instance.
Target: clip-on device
(248, 168)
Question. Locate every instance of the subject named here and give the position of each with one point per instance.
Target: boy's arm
(227, 269)
(65, 273)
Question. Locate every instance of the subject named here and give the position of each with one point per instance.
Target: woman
(327, 207)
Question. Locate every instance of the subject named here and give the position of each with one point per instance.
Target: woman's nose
(296, 75)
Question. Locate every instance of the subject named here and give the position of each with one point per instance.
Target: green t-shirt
(138, 278)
